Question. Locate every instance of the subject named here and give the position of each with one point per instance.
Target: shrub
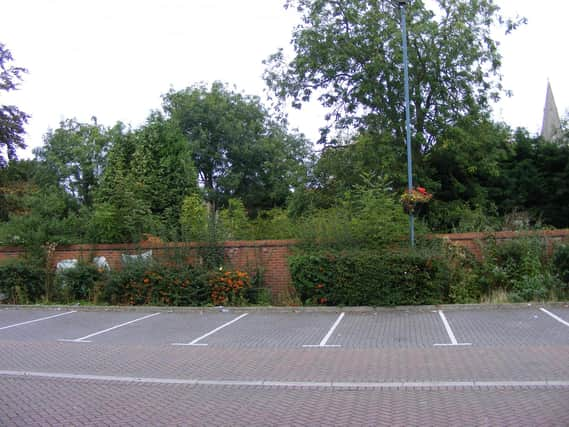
(370, 278)
(78, 283)
(520, 268)
(229, 287)
(21, 283)
(464, 286)
(561, 268)
(561, 262)
(154, 283)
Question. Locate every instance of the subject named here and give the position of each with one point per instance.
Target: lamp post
(402, 4)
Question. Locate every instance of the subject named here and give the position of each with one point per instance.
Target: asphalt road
(475, 366)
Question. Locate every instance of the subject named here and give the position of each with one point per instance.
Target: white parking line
(36, 320)
(85, 338)
(453, 340)
(559, 319)
(295, 384)
(195, 342)
(324, 341)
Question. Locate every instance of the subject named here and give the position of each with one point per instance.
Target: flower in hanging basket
(413, 197)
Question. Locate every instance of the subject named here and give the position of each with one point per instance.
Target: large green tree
(238, 150)
(149, 172)
(77, 152)
(34, 209)
(534, 180)
(12, 119)
(348, 54)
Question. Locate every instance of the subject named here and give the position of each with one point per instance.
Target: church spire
(551, 127)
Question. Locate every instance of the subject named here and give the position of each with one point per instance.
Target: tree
(238, 151)
(121, 214)
(19, 180)
(462, 169)
(77, 153)
(149, 172)
(162, 164)
(534, 180)
(348, 53)
(12, 119)
(34, 209)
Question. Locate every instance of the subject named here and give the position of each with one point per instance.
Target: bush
(519, 268)
(561, 269)
(561, 262)
(21, 283)
(78, 283)
(229, 287)
(157, 284)
(370, 278)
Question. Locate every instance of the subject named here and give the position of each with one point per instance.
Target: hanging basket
(409, 208)
(412, 200)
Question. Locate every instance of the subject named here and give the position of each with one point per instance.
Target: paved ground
(505, 366)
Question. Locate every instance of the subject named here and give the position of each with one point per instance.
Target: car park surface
(217, 366)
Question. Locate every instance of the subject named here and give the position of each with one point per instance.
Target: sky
(113, 59)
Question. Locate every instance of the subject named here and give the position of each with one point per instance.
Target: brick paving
(508, 345)
(30, 402)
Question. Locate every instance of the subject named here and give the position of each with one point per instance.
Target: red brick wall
(270, 257)
(474, 241)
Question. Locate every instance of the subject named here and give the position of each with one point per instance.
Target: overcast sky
(113, 59)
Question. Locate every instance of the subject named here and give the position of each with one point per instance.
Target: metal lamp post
(402, 4)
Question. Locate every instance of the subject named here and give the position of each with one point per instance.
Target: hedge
(370, 278)
(21, 283)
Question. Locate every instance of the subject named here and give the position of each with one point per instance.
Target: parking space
(562, 316)
(528, 326)
(389, 330)
(278, 330)
(318, 330)
(64, 325)
(10, 317)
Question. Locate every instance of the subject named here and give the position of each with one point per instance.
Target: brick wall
(268, 256)
(474, 241)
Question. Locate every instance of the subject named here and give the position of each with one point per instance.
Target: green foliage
(234, 221)
(78, 283)
(345, 164)
(561, 265)
(47, 215)
(142, 189)
(229, 287)
(194, 218)
(370, 278)
(273, 224)
(459, 267)
(157, 284)
(368, 216)
(534, 179)
(162, 166)
(36, 209)
(520, 268)
(348, 53)
(76, 153)
(18, 181)
(457, 216)
(21, 283)
(238, 150)
(12, 119)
